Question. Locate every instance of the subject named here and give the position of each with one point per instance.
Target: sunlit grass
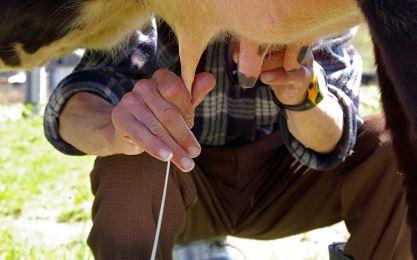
(16, 248)
(370, 100)
(39, 183)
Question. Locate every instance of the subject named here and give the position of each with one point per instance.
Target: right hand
(156, 117)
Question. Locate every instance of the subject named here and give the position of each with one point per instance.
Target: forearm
(83, 122)
(319, 128)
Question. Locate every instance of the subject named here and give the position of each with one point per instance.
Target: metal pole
(36, 83)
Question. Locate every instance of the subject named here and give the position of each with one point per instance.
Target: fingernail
(165, 154)
(267, 77)
(193, 151)
(187, 164)
(303, 54)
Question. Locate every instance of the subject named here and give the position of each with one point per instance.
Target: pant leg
(128, 191)
(373, 199)
(255, 191)
(365, 191)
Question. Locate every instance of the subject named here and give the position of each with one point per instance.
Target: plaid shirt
(229, 114)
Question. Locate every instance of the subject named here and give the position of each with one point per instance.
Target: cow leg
(393, 28)
(404, 146)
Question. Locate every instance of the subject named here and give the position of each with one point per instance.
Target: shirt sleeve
(109, 76)
(343, 67)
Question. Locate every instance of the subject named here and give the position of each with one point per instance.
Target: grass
(362, 42)
(38, 184)
(13, 248)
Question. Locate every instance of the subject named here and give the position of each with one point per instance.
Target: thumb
(203, 84)
(295, 55)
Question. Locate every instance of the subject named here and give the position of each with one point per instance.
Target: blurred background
(45, 196)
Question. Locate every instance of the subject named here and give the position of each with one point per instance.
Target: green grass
(38, 183)
(13, 248)
(370, 100)
(362, 42)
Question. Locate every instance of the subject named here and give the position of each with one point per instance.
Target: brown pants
(254, 191)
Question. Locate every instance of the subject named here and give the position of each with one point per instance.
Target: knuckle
(143, 85)
(128, 99)
(169, 115)
(117, 114)
(171, 91)
(136, 135)
(156, 129)
(162, 73)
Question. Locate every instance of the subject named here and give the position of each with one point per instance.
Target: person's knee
(371, 136)
(128, 191)
(374, 130)
(112, 239)
(124, 171)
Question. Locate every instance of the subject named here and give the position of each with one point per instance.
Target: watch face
(313, 91)
(319, 84)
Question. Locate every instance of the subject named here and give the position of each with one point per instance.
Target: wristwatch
(315, 92)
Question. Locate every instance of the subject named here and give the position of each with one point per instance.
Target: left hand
(319, 128)
(290, 87)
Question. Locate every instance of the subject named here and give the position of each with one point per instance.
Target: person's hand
(290, 87)
(156, 118)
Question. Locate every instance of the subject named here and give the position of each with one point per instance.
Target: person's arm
(107, 87)
(324, 136)
(108, 77)
(84, 113)
(103, 110)
(318, 128)
(150, 118)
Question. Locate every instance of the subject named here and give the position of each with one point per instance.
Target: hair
(393, 30)
(29, 27)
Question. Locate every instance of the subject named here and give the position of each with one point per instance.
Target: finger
(169, 116)
(273, 60)
(295, 56)
(172, 89)
(125, 145)
(290, 87)
(291, 57)
(203, 84)
(122, 144)
(280, 77)
(126, 124)
(138, 133)
(148, 119)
